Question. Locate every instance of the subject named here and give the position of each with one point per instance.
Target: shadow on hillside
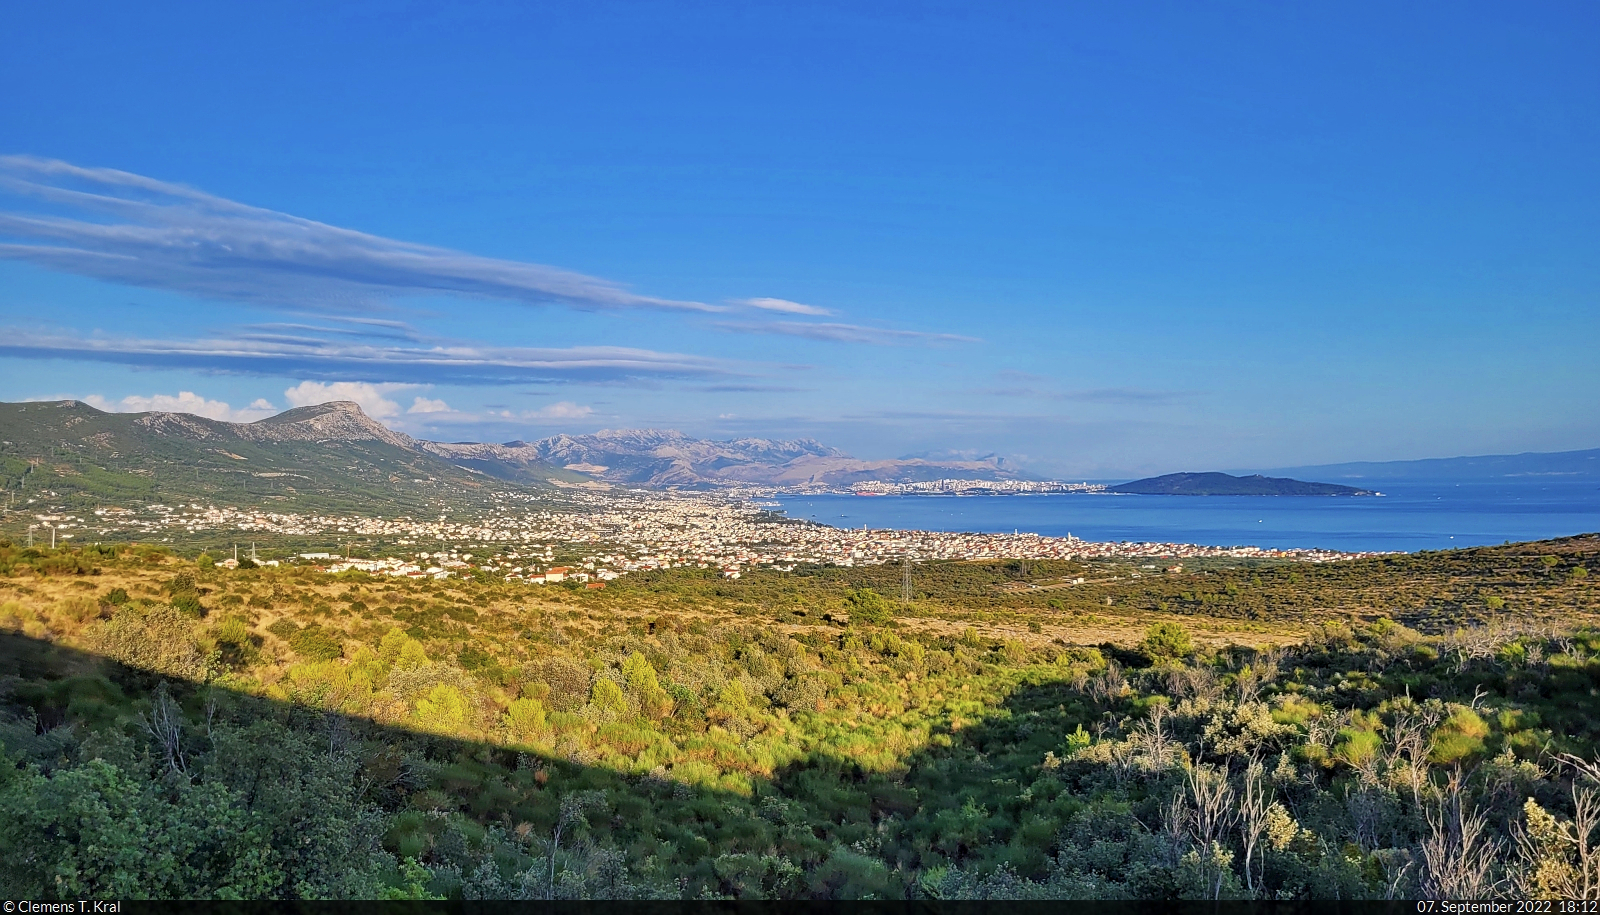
(851, 832)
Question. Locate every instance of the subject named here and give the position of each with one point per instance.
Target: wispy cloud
(562, 410)
(342, 361)
(833, 332)
(784, 306)
(1018, 384)
(565, 409)
(752, 389)
(1016, 375)
(370, 330)
(1128, 396)
(126, 228)
(183, 402)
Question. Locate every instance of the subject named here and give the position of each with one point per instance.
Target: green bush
(525, 718)
(607, 698)
(315, 643)
(159, 640)
(444, 710)
(188, 605)
(868, 606)
(1167, 642)
(1459, 738)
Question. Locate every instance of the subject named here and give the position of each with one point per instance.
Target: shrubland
(174, 729)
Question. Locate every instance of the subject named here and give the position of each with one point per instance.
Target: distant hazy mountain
(667, 458)
(1557, 464)
(1222, 484)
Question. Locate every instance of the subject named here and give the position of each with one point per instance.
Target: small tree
(868, 606)
(644, 688)
(525, 717)
(1167, 642)
(443, 710)
(607, 698)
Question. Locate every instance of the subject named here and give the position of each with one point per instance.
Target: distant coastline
(1222, 484)
(1172, 484)
(1410, 516)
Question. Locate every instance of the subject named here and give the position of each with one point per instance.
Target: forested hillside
(175, 729)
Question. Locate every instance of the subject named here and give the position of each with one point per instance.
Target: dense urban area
(618, 532)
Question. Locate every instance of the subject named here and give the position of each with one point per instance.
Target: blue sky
(1102, 239)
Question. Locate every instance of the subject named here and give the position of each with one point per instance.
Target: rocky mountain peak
(338, 420)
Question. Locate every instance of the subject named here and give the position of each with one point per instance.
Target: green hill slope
(327, 458)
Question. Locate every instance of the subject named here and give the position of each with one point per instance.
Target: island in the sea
(1222, 484)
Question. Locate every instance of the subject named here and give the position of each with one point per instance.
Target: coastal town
(957, 487)
(592, 538)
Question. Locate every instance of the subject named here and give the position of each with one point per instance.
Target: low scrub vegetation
(173, 729)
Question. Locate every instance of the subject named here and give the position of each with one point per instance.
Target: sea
(1411, 515)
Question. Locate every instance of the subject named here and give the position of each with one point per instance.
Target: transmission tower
(905, 580)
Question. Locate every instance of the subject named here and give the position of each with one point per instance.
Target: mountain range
(667, 459)
(334, 457)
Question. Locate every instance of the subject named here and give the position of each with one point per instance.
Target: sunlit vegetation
(287, 733)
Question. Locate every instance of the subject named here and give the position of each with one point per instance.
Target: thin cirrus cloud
(1120, 396)
(783, 306)
(125, 228)
(392, 330)
(834, 332)
(753, 389)
(561, 410)
(338, 361)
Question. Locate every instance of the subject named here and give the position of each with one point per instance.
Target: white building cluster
(974, 487)
(635, 531)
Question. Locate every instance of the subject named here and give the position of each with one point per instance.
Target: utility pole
(52, 536)
(30, 535)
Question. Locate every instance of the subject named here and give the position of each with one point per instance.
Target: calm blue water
(1410, 516)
